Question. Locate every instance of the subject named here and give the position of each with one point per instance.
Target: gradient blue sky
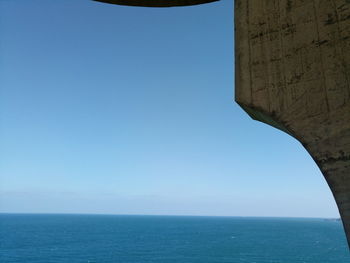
(127, 110)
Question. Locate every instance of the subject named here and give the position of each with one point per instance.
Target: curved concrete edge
(261, 116)
(156, 3)
(334, 169)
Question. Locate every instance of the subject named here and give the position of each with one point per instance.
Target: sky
(125, 110)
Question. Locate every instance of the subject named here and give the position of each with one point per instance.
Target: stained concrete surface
(292, 72)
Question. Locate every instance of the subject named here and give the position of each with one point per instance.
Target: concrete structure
(293, 73)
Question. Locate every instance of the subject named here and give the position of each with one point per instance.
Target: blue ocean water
(29, 238)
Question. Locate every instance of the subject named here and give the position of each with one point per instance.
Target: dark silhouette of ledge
(156, 3)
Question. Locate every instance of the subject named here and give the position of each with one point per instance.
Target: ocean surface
(29, 238)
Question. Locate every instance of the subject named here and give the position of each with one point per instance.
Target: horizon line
(161, 215)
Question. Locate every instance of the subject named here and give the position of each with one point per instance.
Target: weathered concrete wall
(293, 72)
(156, 3)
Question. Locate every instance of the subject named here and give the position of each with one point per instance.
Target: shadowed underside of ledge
(156, 3)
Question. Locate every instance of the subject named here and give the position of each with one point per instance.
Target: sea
(63, 238)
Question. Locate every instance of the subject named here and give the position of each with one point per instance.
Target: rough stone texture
(156, 3)
(293, 72)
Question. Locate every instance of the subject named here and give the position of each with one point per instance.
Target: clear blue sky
(127, 110)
